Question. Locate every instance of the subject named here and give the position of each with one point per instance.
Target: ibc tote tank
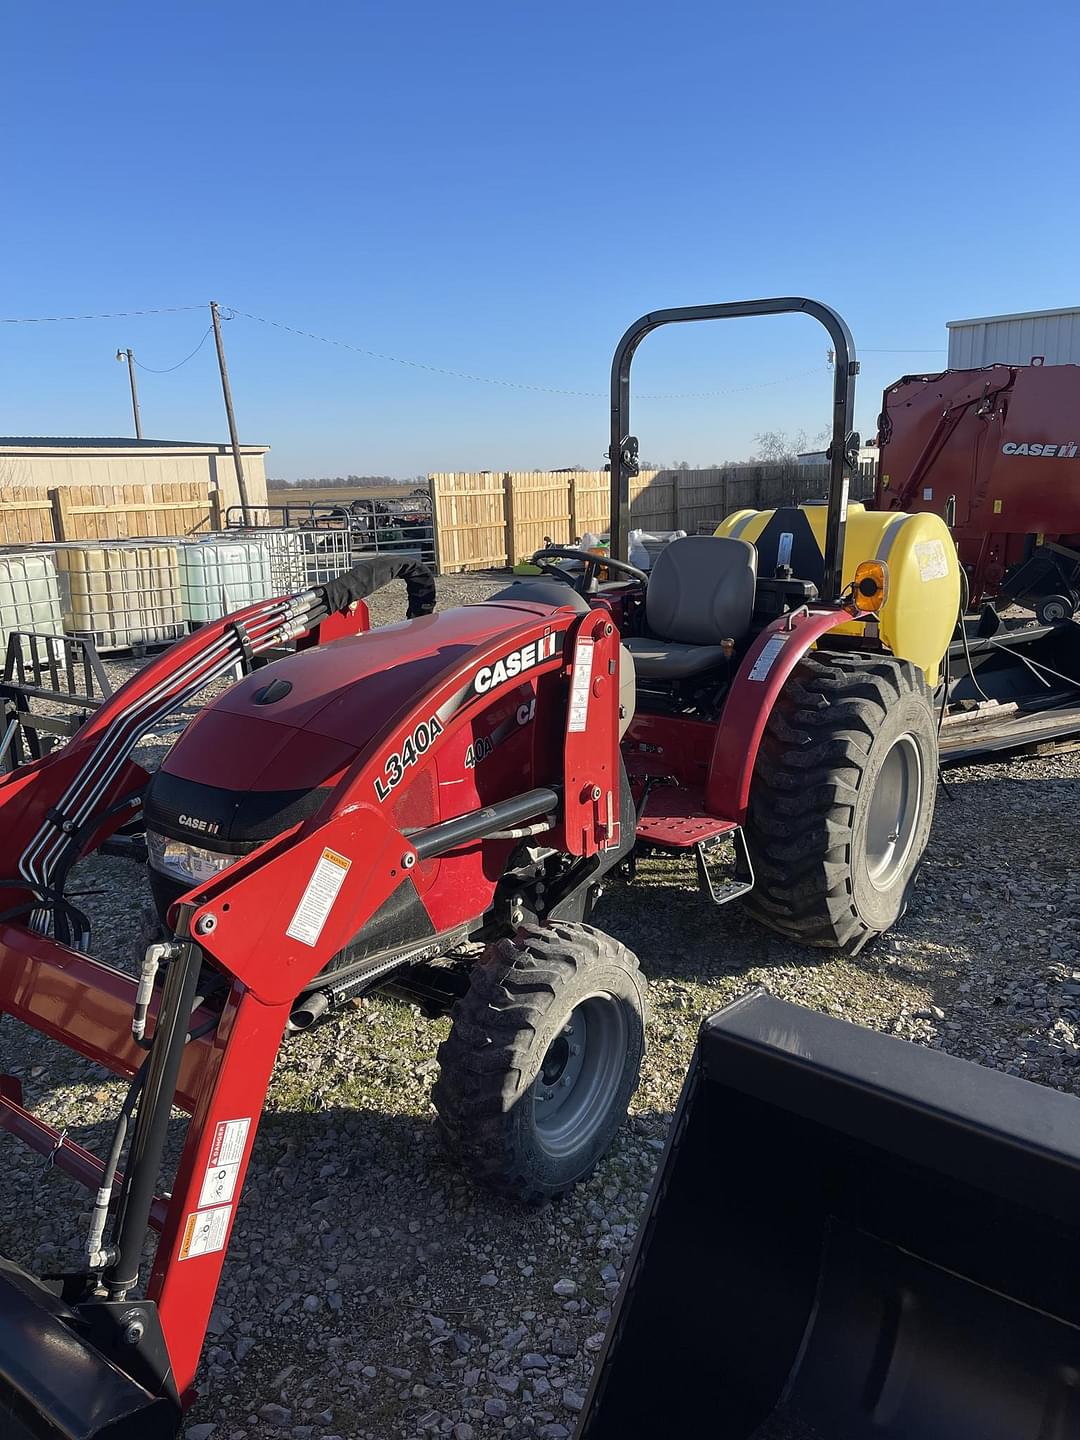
(920, 612)
(220, 576)
(29, 594)
(124, 594)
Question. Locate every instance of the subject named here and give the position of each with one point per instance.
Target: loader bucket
(850, 1236)
(56, 1383)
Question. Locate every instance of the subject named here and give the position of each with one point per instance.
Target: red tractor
(433, 808)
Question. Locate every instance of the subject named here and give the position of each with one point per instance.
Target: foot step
(721, 863)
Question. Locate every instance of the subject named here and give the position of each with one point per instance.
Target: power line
(436, 369)
(170, 368)
(732, 389)
(110, 315)
(415, 364)
(517, 384)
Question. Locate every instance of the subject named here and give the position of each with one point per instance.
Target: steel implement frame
(239, 926)
(622, 451)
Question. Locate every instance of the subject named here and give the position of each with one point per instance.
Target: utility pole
(120, 355)
(241, 483)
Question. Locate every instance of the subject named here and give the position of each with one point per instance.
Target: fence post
(508, 518)
(433, 491)
(217, 519)
(61, 522)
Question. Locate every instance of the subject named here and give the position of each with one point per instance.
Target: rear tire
(842, 799)
(542, 1060)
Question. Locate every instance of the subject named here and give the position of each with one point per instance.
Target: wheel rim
(894, 812)
(579, 1076)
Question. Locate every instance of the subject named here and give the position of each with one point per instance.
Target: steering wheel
(587, 582)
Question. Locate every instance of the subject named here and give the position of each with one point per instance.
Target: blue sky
(499, 188)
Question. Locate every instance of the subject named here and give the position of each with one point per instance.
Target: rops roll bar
(624, 447)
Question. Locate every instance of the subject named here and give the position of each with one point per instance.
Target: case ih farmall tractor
(432, 807)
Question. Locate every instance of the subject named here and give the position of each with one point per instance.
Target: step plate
(675, 819)
(724, 874)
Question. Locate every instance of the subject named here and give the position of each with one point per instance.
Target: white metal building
(1016, 339)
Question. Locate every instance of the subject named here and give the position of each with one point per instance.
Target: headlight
(189, 863)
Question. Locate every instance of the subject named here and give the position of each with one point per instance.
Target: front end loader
(430, 807)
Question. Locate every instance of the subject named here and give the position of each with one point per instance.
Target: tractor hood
(261, 757)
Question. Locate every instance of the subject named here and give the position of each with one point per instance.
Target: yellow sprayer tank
(919, 615)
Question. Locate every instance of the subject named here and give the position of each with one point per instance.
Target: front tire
(544, 1055)
(842, 799)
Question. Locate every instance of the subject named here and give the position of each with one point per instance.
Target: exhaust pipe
(308, 1009)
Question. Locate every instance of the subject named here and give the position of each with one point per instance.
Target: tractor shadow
(999, 871)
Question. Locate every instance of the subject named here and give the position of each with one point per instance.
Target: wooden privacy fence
(33, 515)
(491, 519)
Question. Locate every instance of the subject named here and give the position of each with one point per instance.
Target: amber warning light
(871, 586)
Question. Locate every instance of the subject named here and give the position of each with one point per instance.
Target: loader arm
(256, 934)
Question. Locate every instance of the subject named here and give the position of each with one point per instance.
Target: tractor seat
(701, 591)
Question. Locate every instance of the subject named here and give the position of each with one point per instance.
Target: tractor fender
(761, 676)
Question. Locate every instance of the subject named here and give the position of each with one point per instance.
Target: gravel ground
(370, 1291)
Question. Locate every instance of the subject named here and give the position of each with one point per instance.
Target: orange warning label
(205, 1231)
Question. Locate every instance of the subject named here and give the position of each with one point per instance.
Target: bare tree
(778, 447)
(13, 470)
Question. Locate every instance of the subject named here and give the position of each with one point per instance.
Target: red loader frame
(260, 931)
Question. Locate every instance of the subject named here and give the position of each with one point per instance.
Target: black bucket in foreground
(56, 1384)
(851, 1237)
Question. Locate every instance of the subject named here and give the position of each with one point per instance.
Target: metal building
(90, 460)
(1016, 339)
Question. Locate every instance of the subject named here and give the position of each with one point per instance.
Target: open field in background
(334, 494)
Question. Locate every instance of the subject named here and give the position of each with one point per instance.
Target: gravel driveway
(370, 1291)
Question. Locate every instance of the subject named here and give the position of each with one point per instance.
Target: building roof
(117, 442)
(1021, 315)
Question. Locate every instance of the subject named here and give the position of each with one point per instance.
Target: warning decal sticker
(226, 1153)
(932, 560)
(205, 1232)
(579, 689)
(765, 661)
(315, 904)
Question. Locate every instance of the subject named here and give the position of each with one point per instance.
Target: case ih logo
(193, 822)
(488, 677)
(1057, 452)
